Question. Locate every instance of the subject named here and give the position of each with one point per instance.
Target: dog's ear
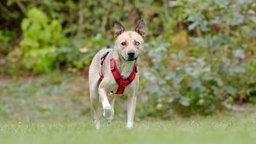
(119, 28)
(140, 28)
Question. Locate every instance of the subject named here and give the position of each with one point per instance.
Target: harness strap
(122, 83)
(101, 63)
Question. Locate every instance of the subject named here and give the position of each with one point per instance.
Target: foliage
(214, 71)
(190, 85)
(199, 55)
(41, 38)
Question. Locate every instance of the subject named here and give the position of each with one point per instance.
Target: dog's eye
(137, 43)
(123, 43)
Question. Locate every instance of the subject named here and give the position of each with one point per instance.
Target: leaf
(28, 43)
(175, 3)
(170, 75)
(239, 53)
(237, 69)
(238, 19)
(184, 101)
(25, 24)
(253, 19)
(178, 78)
(37, 16)
(55, 28)
(196, 84)
(231, 90)
(193, 25)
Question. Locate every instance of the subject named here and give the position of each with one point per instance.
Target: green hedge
(199, 55)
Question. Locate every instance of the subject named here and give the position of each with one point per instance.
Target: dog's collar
(122, 83)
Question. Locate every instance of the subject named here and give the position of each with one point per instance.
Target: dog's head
(128, 44)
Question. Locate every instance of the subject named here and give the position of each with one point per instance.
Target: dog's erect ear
(119, 28)
(140, 28)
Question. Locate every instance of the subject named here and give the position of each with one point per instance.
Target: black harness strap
(101, 63)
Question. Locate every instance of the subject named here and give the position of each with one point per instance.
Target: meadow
(228, 129)
(55, 109)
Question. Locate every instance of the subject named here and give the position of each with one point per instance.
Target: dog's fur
(128, 45)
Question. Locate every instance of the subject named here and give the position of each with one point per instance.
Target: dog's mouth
(128, 58)
(132, 59)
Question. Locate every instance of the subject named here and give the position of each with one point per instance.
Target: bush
(210, 69)
(41, 38)
(188, 84)
(199, 55)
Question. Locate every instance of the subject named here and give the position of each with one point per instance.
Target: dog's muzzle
(131, 56)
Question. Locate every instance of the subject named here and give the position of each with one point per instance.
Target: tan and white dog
(103, 81)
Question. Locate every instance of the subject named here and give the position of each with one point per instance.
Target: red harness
(122, 83)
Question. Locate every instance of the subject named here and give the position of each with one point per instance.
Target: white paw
(97, 125)
(129, 125)
(110, 118)
(108, 113)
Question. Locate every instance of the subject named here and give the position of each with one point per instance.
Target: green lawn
(54, 109)
(216, 130)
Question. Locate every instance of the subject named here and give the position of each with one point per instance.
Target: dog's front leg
(108, 111)
(131, 106)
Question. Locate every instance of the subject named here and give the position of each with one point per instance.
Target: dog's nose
(131, 54)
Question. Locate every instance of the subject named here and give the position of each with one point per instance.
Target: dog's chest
(125, 73)
(112, 84)
(125, 70)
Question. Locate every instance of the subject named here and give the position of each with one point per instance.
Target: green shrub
(41, 38)
(199, 55)
(212, 69)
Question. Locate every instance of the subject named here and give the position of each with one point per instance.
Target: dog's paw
(97, 126)
(108, 113)
(110, 119)
(129, 125)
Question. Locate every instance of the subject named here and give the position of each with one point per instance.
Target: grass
(50, 96)
(55, 109)
(224, 129)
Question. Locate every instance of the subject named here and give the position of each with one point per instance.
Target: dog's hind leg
(94, 97)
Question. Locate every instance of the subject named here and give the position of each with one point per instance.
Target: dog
(114, 71)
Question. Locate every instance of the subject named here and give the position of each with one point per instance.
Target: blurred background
(199, 55)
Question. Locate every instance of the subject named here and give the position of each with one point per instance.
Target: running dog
(114, 72)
